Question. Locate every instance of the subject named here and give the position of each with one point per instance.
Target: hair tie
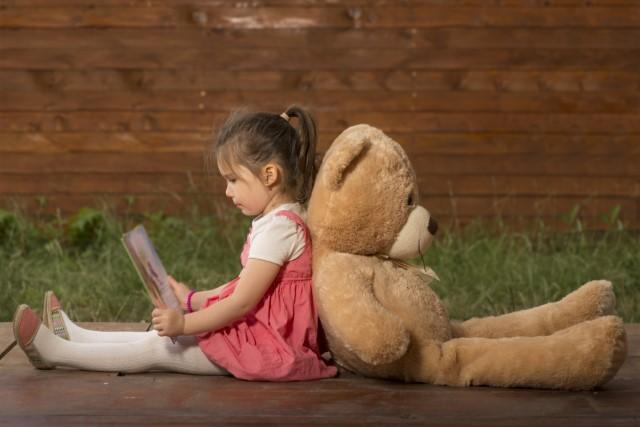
(285, 116)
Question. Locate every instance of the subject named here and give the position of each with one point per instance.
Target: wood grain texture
(294, 16)
(210, 79)
(417, 145)
(395, 38)
(329, 58)
(157, 398)
(533, 126)
(436, 164)
(320, 101)
(546, 4)
(512, 108)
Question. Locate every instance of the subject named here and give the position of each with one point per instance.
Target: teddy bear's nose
(432, 226)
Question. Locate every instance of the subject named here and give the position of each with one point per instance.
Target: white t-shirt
(275, 238)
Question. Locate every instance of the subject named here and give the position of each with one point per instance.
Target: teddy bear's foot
(591, 300)
(604, 352)
(581, 357)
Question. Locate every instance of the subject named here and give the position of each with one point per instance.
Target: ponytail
(304, 151)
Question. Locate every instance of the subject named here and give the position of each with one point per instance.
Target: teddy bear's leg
(591, 300)
(581, 357)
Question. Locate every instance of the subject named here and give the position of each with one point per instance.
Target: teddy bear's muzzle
(432, 226)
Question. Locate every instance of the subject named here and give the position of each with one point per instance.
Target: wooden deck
(32, 397)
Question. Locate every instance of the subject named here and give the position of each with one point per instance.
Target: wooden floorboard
(34, 397)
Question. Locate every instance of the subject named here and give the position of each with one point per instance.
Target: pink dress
(278, 340)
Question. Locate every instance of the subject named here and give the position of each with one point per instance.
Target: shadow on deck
(29, 396)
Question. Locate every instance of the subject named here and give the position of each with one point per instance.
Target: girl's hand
(168, 322)
(180, 290)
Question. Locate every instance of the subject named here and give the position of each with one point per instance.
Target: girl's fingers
(175, 286)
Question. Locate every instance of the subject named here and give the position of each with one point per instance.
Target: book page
(150, 268)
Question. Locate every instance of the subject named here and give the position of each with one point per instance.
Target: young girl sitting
(260, 326)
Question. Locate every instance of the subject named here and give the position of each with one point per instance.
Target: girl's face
(245, 189)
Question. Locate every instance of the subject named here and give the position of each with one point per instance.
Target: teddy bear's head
(365, 199)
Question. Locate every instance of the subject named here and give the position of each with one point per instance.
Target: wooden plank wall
(512, 108)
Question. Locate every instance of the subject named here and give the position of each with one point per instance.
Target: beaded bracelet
(189, 300)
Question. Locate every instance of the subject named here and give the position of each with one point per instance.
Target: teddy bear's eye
(410, 200)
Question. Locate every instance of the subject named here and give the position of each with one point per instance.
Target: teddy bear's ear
(342, 160)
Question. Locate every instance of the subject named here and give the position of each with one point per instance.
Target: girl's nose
(227, 191)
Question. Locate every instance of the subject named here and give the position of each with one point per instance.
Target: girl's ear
(270, 174)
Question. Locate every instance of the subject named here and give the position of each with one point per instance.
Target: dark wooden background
(513, 108)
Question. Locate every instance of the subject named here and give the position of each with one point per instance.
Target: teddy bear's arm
(352, 314)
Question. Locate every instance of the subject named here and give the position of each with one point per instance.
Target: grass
(486, 273)
(84, 261)
(483, 270)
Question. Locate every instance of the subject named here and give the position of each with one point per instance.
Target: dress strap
(296, 218)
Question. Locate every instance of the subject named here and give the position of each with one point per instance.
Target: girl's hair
(252, 139)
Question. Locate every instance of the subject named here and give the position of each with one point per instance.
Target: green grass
(84, 261)
(483, 271)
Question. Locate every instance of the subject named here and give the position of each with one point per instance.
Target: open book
(150, 268)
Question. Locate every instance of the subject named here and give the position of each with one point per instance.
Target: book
(149, 267)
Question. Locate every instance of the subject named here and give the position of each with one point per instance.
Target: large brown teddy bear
(382, 319)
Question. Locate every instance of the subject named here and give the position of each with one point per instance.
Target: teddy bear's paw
(394, 348)
(607, 303)
(591, 300)
(614, 340)
(588, 354)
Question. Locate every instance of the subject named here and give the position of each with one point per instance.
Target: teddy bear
(381, 318)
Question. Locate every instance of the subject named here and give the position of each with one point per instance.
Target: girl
(261, 325)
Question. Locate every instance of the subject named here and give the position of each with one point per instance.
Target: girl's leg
(58, 321)
(149, 353)
(79, 334)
